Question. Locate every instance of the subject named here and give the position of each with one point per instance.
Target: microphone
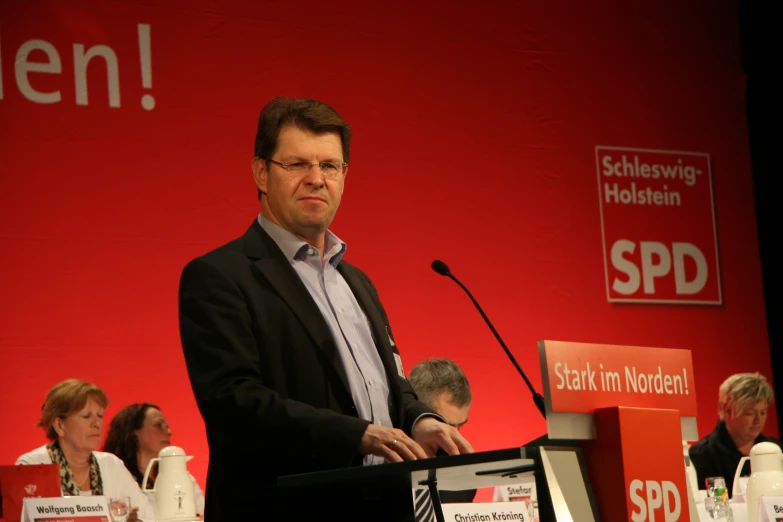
(441, 268)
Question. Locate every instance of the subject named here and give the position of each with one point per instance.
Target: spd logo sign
(658, 225)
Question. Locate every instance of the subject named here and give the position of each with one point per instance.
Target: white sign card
(524, 491)
(770, 509)
(60, 509)
(477, 511)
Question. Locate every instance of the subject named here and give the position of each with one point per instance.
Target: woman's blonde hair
(742, 389)
(66, 398)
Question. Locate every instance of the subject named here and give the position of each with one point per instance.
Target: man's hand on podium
(390, 443)
(432, 434)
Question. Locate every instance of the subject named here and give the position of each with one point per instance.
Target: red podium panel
(638, 451)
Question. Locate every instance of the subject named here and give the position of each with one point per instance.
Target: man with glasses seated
(289, 351)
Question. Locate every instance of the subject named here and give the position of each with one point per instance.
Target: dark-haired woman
(137, 433)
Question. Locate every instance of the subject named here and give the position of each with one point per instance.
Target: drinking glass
(119, 508)
(718, 509)
(716, 486)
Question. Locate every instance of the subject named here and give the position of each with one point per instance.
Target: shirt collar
(723, 435)
(294, 247)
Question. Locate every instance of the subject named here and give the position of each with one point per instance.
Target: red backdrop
(476, 128)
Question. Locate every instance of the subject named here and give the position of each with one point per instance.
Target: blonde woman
(743, 401)
(72, 418)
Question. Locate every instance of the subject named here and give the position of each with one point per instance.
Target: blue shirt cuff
(434, 415)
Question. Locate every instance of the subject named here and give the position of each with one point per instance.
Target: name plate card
(64, 509)
(479, 511)
(770, 509)
(515, 493)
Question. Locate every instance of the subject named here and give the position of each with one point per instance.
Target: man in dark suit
(289, 351)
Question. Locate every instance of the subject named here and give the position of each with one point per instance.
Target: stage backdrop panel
(480, 131)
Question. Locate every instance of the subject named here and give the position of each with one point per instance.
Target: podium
(628, 408)
(631, 406)
(383, 492)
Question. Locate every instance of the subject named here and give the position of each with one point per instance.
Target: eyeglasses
(328, 168)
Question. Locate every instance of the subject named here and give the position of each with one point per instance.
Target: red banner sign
(658, 224)
(580, 377)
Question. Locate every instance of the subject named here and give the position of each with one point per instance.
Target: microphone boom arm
(538, 399)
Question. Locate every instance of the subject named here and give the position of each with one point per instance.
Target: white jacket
(117, 480)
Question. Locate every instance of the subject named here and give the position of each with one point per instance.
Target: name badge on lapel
(398, 362)
(397, 358)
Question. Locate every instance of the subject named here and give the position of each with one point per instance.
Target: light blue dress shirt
(350, 329)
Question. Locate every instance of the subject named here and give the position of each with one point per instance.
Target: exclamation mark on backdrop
(145, 56)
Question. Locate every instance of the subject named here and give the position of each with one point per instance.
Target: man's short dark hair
(306, 114)
(431, 377)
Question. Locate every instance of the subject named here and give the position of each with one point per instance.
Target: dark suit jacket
(267, 376)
